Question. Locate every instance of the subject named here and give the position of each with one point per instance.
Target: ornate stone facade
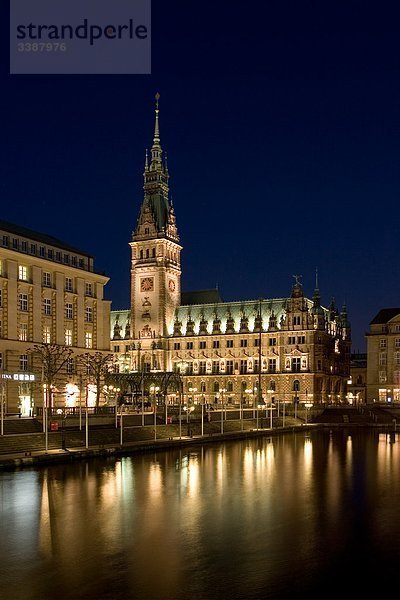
(383, 371)
(292, 349)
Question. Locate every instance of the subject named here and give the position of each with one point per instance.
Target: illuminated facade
(383, 370)
(288, 348)
(48, 293)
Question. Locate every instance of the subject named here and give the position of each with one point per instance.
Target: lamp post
(248, 391)
(154, 390)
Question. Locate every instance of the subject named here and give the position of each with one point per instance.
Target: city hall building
(289, 349)
(49, 293)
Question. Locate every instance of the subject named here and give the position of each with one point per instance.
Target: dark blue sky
(282, 126)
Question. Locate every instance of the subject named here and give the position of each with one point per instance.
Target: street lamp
(154, 390)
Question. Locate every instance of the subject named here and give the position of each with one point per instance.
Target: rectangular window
(50, 254)
(22, 273)
(23, 302)
(397, 328)
(215, 367)
(229, 367)
(116, 348)
(243, 343)
(229, 343)
(202, 367)
(189, 345)
(296, 365)
(382, 343)
(46, 279)
(243, 367)
(1, 329)
(88, 289)
(88, 340)
(68, 338)
(296, 320)
(66, 259)
(23, 362)
(23, 332)
(46, 334)
(397, 343)
(70, 366)
(383, 359)
(6, 240)
(58, 256)
(272, 365)
(177, 346)
(15, 243)
(1, 360)
(292, 339)
(397, 358)
(33, 248)
(69, 313)
(301, 339)
(257, 342)
(42, 251)
(256, 365)
(81, 263)
(272, 342)
(47, 306)
(73, 261)
(68, 284)
(319, 365)
(215, 343)
(202, 345)
(88, 314)
(1, 298)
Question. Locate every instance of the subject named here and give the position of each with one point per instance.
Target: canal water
(298, 516)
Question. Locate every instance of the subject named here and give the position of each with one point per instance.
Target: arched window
(203, 387)
(296, 385)
(216, 387)
(229, 386)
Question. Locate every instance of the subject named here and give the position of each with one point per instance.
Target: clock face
(146, 284)
(171, 285)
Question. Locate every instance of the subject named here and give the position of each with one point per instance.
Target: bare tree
(53, 358)
(96, 366)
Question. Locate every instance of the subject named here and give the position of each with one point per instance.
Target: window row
(203, 344)
(47, 280)
(42, 251)
(47, 308)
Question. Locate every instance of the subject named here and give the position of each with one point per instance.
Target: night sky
(282, 126)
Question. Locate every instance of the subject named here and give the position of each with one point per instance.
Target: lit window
(383, 358)
(23, 273)
(23, 362)
(397, 358)
(88, 314)
(23, 332)
(88, 340)
(23, 302)
(68, 338)
(68, 311)
(397, 343)
(70, 366)
(46, 334)
(47, 306)
(46, 279)
(382, 343)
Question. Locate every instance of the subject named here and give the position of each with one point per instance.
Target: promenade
(24, 444)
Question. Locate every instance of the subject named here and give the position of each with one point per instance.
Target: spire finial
(146, 161)
(316, 278)
(156, 152)
(156, 127)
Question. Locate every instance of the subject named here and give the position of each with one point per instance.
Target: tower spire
(156, 151)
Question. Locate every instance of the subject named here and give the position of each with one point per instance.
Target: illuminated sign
(18, 376)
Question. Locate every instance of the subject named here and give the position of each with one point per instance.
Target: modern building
(292, 349)
(383, 373)
(49, 293)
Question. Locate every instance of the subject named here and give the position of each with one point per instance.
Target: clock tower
(155, 267)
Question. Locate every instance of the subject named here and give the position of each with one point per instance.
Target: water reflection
(273, 518)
